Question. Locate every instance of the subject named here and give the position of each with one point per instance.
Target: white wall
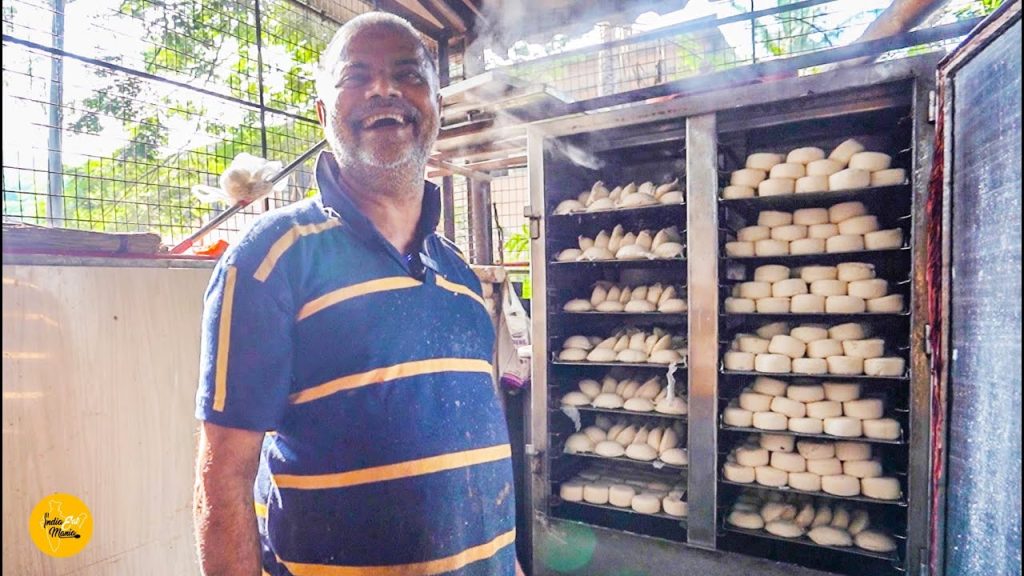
(99, 378)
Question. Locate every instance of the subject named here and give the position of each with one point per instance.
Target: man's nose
(382, 85)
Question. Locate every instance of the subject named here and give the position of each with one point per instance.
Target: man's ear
(321, 113)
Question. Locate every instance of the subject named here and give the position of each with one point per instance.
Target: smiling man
(348, 328)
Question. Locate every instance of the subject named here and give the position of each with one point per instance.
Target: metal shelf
(662, 515)
(900, 442)
(791, 375)
(616, 364)
(805, 541)
(818, 316)
(623, 459)
(653, 315)
(639, 263)
(623, 412)
(793, 201)
(787, 490)
(792, 260)
(597, 214)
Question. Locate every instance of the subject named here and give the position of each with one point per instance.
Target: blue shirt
(389, 452)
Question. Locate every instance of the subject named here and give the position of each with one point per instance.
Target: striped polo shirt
(389, 453)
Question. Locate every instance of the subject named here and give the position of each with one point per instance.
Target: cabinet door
(984, 474)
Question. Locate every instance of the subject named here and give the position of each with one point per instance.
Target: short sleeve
(246, 359)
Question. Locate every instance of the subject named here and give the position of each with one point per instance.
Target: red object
(216, 249)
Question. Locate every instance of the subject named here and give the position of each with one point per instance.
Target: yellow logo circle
(60, 525)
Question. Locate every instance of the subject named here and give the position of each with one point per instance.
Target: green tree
(517, 246)
(143, 185)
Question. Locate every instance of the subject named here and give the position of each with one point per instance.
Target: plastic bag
(245, 180)
(514, 351)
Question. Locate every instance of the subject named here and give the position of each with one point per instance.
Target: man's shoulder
(452, 247)
(271, 228)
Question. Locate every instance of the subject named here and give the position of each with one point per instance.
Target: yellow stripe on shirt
(362, 289)
(428, 568)
(459, 289)
(282, 244)
(397, 471)
(220, 389)
(394, 372)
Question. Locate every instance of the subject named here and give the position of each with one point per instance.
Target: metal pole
(447, 182)
(702, 275)
(606, 62)
(448, 205)
(480, 221)
(753, 36)
(259, 85)
(220, 218)
(443, 61)
(54, 145)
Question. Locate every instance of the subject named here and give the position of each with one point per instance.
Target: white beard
(352, 156)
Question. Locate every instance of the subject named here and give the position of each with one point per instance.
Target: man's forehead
(382, 44)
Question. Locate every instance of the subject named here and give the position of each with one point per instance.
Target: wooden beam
(456, 169)
(480, 167)
(464, 128)
(901, 16)
(472, 8)
(444, 13)
(484, 137)
(482, 154)
(420, 23)
(481, 22)
(504, 163)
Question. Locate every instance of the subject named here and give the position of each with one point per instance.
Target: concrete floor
(570, 548)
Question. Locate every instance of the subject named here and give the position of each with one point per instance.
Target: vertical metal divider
(537, 469)
(945, 90)
(919, 465)
(702, 290)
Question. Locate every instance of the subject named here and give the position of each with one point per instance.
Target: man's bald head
(336, 51)
(379, 104)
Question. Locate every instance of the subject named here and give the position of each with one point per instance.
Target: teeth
(378, 117)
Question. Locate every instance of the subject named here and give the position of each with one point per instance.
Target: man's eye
(352, 80)
(411, 77)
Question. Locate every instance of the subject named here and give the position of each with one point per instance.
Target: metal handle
(223, 216)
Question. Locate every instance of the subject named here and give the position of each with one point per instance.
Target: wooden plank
(432, 29)
(512, 162)
(444, 12)
(481, 87)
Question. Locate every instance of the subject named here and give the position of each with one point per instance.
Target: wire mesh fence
(461, 211)
(113, 109)
(726, 35)
(510, 233)
(747, 33)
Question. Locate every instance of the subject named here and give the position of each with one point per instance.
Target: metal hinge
(534, 220)
(928, 339)
(536, 458)
(923, 567)
(933, 106)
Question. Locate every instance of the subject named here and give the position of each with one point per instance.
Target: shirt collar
(333, 194)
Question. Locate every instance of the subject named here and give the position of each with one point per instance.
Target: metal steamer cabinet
(577, 526)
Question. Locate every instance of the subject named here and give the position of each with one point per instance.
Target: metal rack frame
(852, 90)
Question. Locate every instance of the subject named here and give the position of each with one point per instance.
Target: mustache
(378, 106)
